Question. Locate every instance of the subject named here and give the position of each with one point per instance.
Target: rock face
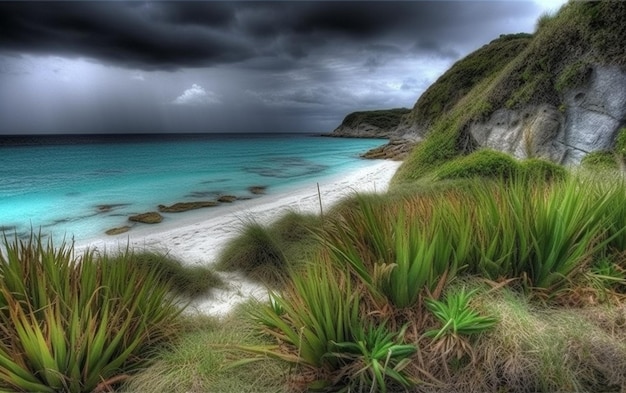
(594, 114)
(147, 218)
(396, 150)
(589, 121)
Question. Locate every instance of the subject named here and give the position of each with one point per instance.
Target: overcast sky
(291, 66)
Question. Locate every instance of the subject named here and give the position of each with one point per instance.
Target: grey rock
(592, 116)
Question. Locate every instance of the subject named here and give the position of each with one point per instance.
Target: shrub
(535, 169)
(599, 160)
(76, 324)
(482, 163)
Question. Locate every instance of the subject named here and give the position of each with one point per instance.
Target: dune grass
(419, 265)
(203, 360)
(77, 323)
(266, 253)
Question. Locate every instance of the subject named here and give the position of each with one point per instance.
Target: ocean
(77, 187)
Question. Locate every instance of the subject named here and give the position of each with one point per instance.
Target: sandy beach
(197, 237)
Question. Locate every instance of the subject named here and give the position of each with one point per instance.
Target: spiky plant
(76, 324)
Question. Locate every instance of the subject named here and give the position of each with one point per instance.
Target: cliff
(557, 94)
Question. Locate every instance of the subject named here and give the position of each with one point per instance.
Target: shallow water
(75, 188)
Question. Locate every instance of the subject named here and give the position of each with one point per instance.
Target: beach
(197, 237)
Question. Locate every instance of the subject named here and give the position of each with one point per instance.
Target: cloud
(168, 35)
(196, 96)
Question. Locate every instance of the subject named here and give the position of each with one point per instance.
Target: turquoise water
(61, 189)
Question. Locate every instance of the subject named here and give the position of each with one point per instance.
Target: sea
(75, 187)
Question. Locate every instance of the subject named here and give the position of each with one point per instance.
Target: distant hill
(557, 94)
(371, 124)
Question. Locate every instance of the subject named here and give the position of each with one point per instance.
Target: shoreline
(197, 237)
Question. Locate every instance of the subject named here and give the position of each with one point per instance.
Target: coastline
(197, 237)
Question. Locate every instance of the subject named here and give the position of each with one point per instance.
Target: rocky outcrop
(594, 114)
(588, 121)
(257, 190)
(147, 218)
(186, 206)
(381, 124)
(395, 149)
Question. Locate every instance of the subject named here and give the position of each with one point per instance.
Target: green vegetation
(77, 324)
(465, 74)
(385, 119)
(400, 273)
(267, 253)
(204, 360)
(599, 160)
(482, 163)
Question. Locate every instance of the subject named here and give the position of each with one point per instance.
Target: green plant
(395, 255)
(203, 359)
(599, 160)
(458, 320)
(319, 309)
(375, 360)
(76, 324)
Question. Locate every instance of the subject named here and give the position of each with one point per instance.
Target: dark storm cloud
(171, 35)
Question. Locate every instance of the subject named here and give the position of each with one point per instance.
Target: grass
(202, 360)
(267, 253)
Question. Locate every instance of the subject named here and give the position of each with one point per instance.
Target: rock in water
(117, 231)
(185, 206)
(257, 190)
(227, 198)
(147, 218)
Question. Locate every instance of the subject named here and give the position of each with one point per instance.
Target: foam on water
(79, 190)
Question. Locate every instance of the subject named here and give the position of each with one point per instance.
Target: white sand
(196, 237)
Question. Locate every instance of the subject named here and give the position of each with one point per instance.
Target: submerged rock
(227, 198)
(185, 206)
(117, 231)
(109, 207)
(257, 190)
(147, 218)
